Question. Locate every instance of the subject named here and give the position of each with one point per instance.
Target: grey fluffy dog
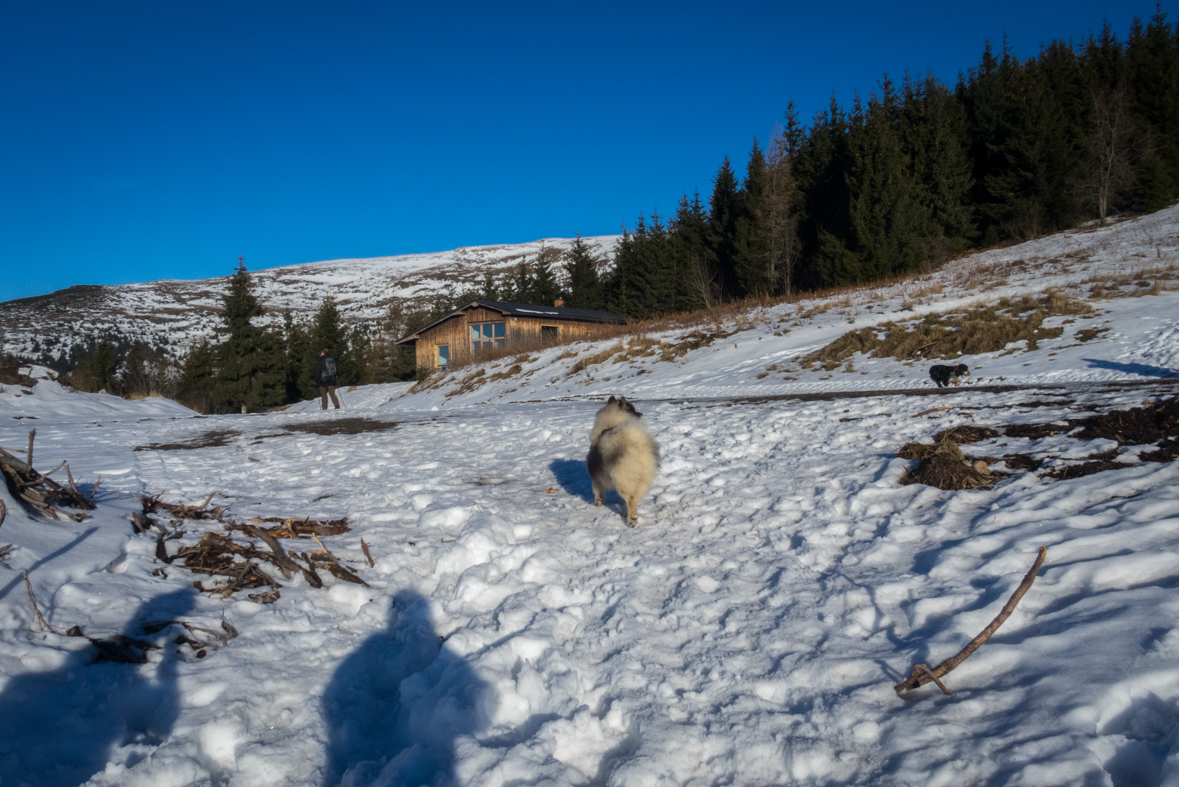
(622, 456)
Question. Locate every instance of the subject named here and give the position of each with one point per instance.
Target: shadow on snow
(61, 727)
(395, 707)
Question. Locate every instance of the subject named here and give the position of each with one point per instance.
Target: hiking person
(325, 378)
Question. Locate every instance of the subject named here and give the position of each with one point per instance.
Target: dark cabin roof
(525, 310)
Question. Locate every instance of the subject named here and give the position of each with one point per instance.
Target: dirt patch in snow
(11, 375)
(211, 439)
(943, 465)
(342, 426)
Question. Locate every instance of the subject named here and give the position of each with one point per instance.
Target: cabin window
(487, 334)
(550, 334)
(442, 356)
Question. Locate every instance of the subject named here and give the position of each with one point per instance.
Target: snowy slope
(176, 313)
(748, 631)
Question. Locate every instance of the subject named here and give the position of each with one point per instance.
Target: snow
(748, 631)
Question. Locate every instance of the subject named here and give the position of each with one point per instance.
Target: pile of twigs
(40, 491)
(244, 564)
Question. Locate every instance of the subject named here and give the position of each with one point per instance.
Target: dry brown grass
(1149, 280)
(969, 331)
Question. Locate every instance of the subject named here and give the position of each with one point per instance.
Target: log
(922, 674)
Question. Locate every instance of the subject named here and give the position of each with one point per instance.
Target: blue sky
(149, 140)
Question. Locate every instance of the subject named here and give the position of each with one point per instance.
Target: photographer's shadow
(61, 727)
(395, 707)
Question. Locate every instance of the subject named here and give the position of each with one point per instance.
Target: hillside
(174, 313)
(784, 574)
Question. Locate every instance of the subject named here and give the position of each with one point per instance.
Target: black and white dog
(946, 375)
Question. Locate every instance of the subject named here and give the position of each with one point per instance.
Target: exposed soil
(943, 465)
(212, 439)
(1137, 426)
(1022, 462)
(342, 426)
(1084, 469)
(1037, 431)
(10, 375)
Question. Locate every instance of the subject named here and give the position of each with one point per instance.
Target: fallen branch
(40, 618)
(934, 410)
(363, 545)
(3, 511)
(922, 674)
(38, 490)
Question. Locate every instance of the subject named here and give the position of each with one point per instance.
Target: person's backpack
(329, 370)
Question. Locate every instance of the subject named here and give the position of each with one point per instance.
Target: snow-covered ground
(748, 631)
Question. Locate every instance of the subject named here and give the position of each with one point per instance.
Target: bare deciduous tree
(779, 219)
(703, 280)
(1112, 148)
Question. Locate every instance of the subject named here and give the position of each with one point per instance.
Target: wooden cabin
(457, 338)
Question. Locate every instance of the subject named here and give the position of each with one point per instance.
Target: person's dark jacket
(325, 371)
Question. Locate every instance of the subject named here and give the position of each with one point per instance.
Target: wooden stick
(934, 410)
(363, 546)
(3, 511)
(94, 491)
(925, 669)
(70, 476)
(41, 477)
(40, 618)
(325, 549)
(205, 504)
(922, 674)
(29, 453)
(6, 448)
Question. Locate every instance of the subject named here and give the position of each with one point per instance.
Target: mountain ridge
(174, 313)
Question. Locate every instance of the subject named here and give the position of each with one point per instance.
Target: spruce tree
(751, 243)
(197, 375)
(1152, 66)
(544, 287)
(298, 350)
(723, 212)
(888, 219)
(585, 285)
(251, 363)
(695, 266)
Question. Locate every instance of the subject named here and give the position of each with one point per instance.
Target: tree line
(918, 173)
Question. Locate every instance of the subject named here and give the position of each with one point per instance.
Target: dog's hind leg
(632, 510)
(599, 492)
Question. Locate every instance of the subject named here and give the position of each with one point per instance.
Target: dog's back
(622, 456)
(944, 375)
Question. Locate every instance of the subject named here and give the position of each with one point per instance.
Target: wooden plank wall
(523, 330)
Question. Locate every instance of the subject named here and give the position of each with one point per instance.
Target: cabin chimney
(558, 303)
